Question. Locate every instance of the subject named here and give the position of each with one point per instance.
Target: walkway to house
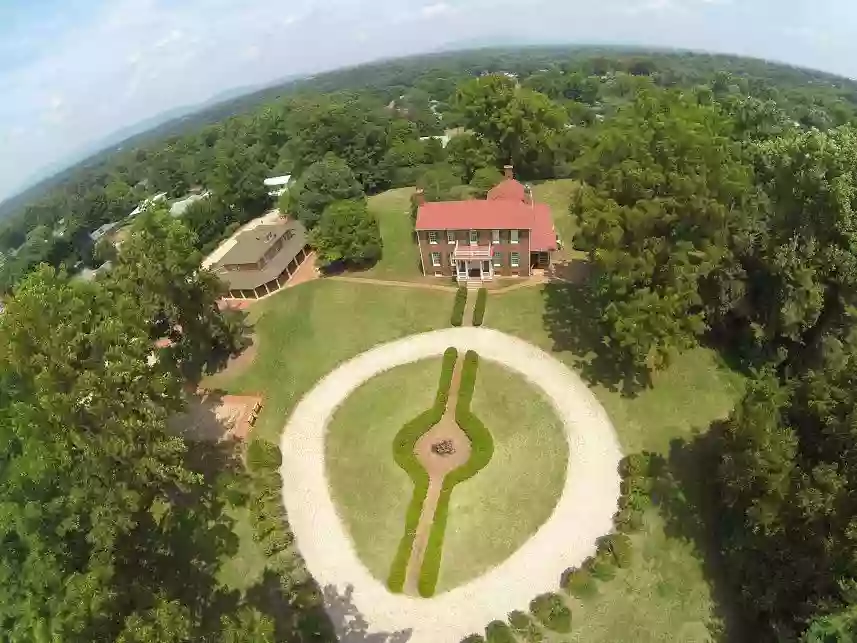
(438, 467)
(583, 513)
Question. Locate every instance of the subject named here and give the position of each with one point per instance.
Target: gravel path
(360, 606)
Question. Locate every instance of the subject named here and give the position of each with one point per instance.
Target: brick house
(508, 234)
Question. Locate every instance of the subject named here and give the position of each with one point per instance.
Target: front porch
(473, 270)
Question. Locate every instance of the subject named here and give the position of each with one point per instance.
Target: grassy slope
(307, 331)
(401, 258)
(494, 513)
(370, 491)
(664, 596)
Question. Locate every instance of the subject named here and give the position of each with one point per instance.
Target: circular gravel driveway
(360, 606)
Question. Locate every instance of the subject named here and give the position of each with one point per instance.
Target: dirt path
(583, 512)
(469, 307)
(398, 284)
(437, 466)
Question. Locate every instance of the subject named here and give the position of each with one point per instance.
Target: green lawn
(557, 194)
(493, 514)
(401, 258)
(308, 330)
(370, 491)
(664, 596)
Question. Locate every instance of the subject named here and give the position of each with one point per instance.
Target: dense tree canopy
(324, 182)
(666, 197)
(348, 234)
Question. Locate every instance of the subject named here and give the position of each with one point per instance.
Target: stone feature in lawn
(443, 448)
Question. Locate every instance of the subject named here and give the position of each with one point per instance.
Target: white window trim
(450, 236)
(474, 242)
(514, 236)
(434, 233)
(497, 259)
(513, 262)
(436, 264)
(495, 236)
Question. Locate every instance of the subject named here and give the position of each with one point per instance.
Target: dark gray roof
(249, 248)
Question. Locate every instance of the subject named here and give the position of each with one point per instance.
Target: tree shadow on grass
(571, 318)
(686, 494)
(304, 613)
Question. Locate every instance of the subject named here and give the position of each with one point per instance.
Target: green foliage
(479, 309)
(324, 182)
(458, 305)
(484, 179)
(620, 547)
(347, 234)
(602, 566)
(521, 125)
(552, 612)
(665, 186)
(263, 456)
(579, 583)
(473, 638)
(403, 453)
(524, 627)
(499, 632)
(482, 449)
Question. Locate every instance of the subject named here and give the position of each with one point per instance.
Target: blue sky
(73, 71)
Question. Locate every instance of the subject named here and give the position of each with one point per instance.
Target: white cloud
(436, 9)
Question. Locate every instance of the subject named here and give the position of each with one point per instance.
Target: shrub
(602, 567)
(458, 307)
(633, 465)
(579, 583)
(499, 632)
(482, 449)
(524, 628)
(473, 638)
(621, 549)
(479, 309)
(628, 520)
(403, 454)
(263, 456)
(552, 612)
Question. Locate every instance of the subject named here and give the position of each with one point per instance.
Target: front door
(474, 272)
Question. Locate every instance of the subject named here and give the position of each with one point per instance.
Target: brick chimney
(420, 196)
(509, 171)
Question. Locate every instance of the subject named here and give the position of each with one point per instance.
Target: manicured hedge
(524, 627)
(499, 632)
(262, 455)
(479, 310)
(579, 583)
(458, 307)
(482, 449)
(403, 453)
(552, 612)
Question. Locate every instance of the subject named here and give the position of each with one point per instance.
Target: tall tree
(520, 123)
(665, 201)
(324, 182)
(347, 233)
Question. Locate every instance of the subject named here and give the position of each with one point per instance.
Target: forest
(717, 206)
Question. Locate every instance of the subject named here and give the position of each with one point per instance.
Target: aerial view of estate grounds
(506, 345)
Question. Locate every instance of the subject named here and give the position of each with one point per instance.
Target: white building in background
(278, 184)
(178, 208)
(146, 203)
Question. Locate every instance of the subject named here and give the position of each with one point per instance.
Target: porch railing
(467, 251)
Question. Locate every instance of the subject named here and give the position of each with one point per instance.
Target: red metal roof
(508, 190)
(500, 214)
